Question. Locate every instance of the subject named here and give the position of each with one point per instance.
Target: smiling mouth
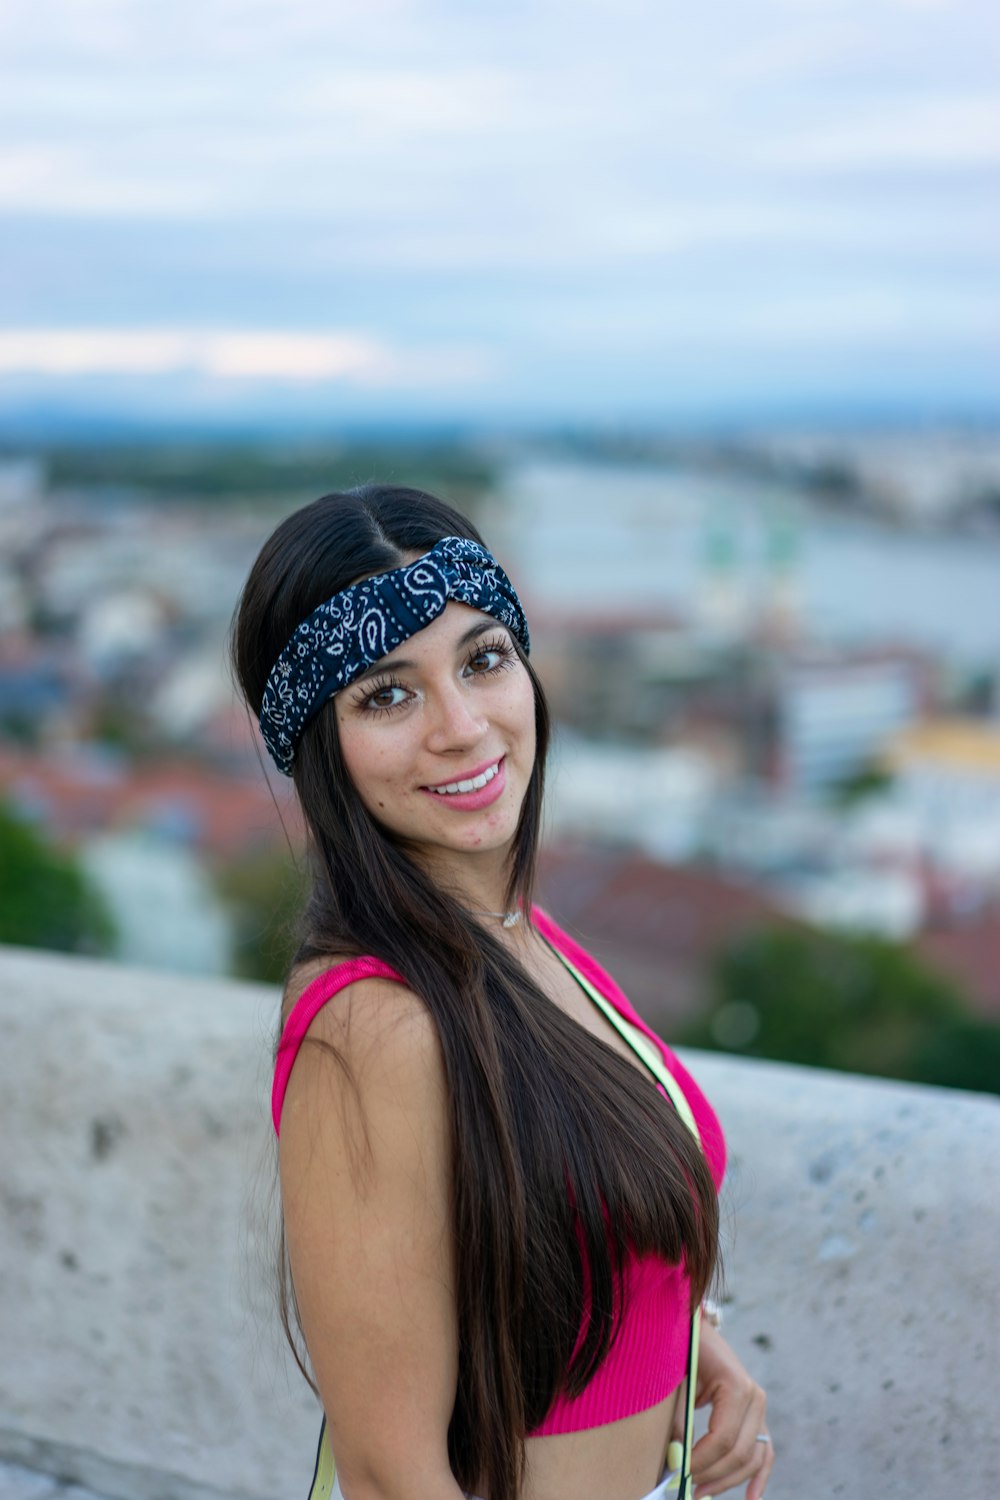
(472, 784)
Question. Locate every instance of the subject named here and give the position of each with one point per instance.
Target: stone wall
(140, 1351)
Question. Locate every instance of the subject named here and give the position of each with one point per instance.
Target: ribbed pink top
(648, 1358)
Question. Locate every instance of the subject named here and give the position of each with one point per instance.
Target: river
(630, 538)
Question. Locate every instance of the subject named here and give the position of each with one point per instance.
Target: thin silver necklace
(508, 918)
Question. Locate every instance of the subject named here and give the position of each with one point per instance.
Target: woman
(498, 1189)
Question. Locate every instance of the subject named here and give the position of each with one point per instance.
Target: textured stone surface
(17, 1483)
(862, 1275)
(140, 1352)
(135, 1258)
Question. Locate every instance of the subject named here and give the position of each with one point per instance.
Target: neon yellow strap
(322, 1484)
(640, 1043)
(650, 1054)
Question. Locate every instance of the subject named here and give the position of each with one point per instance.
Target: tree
(265, 894)
(860, 1004)
(46, 901)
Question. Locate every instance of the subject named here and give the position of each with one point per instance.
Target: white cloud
(230, 355)
(65, 179)
(407, 102)
(922, 134)
(419, 168)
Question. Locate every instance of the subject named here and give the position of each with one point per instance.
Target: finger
(742, 1463)
(724, 1426)
(754, 1474)
(758, 1484)
(732, 1454)
(728, 1421)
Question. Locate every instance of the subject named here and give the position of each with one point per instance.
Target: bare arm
(365, 1172)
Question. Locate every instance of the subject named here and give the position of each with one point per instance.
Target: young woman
(498, 1187)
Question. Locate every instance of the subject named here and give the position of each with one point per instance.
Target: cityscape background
(773, 663)
(695, 311)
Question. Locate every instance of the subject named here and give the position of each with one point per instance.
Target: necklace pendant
(512, 918)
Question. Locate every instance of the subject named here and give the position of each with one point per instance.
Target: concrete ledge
(863, 1229)
(58, 1470)
(141, 1354)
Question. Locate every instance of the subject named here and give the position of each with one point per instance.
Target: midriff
(618, 1461)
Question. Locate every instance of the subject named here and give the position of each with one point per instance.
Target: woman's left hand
(730, 1453)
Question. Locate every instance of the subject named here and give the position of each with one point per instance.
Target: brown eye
(491, 656)
(382, 699)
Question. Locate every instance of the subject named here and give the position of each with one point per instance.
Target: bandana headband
(350, 632)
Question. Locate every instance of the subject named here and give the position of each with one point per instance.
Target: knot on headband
(350, 632)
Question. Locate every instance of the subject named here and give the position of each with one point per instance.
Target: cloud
(66, 179)
(230, 355)
(922, 134)
(437, 191)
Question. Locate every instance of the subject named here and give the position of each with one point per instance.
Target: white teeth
(473, 785)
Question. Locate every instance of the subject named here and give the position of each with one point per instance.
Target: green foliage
(965, 1052)
(854, 1003)
(46, 901)
(868, 781)
(265, 895)
(235, 471)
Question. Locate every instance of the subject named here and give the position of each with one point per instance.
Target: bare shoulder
(366, 1012)
(301, 977)
(373, 1048)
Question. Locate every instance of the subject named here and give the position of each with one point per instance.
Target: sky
(571, 210)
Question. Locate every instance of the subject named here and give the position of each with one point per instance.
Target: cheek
(350, 749)
(369, 762)
(522, 712)
(359, 755)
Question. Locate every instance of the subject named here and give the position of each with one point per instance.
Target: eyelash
(366, 699)
(497, 646)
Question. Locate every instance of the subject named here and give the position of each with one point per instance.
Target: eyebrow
(394, 664)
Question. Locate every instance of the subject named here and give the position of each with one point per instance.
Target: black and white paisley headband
(350, 632)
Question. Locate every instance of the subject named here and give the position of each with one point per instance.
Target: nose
(454, 722)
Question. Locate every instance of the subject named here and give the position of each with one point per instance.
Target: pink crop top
(648, 1358)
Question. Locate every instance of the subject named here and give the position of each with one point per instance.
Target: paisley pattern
(352, 631)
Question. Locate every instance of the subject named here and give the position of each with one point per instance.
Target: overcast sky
(567, 209)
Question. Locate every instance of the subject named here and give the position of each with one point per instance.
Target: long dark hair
(563, 1165)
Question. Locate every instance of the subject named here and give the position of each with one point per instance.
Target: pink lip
(471, 801)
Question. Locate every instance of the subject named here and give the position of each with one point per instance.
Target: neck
(509, 918)
(476, 881)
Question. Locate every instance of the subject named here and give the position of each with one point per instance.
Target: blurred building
(656, 799)
(166, 912)
(947, 772)
(654, 926)
(833, 712)
(85, 792)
